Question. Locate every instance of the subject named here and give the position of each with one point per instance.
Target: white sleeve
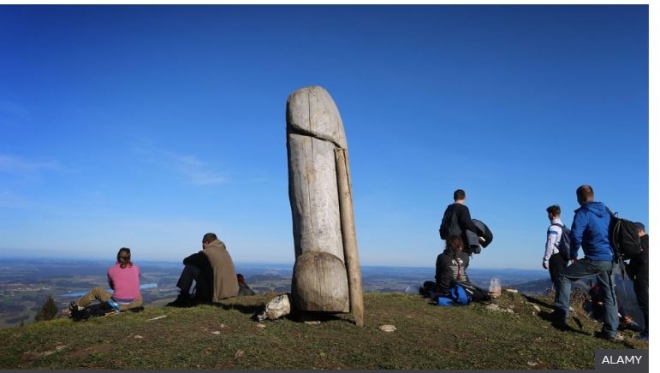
(554, 235)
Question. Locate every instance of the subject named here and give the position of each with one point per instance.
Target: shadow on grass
(243, 308)
(255, 305)
(537, 301)
(312, 317)
(561, 324)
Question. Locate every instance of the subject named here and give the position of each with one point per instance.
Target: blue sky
(148, 126)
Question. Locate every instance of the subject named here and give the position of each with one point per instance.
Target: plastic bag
(276, 308)
(495, 289)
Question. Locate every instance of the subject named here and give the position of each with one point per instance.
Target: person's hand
(545, 265)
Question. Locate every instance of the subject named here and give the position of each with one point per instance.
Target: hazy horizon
(110, 262)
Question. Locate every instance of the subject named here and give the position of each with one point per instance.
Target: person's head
(124, 257)
(208, 238)
(240, 278)
(454, 244)
(459, 195)
(554, 212)
(585, 193)
(641, 229)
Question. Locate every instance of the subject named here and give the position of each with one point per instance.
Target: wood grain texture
(320, 283)
(314, 131)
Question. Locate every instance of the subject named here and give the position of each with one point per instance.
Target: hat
(640, 226)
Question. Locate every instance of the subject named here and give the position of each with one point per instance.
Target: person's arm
(465, 221)
(444, 276)
(197, 259)
(580, 221)
(110, 282)
(550, 244)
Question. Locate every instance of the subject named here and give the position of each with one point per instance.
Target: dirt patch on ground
(89, 350)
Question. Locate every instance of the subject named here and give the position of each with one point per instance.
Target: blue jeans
(585, 268)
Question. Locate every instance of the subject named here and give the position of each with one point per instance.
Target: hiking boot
(77, 312)
(635, 327)
(74, 309)
(610, 338)
(559, 320)
(562, 325)
(642, 337)
(73, 306)
(558, 316)
(183, 300)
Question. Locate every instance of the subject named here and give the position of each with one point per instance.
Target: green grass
(224, 337)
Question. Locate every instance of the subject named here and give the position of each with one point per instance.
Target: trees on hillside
(48, 310)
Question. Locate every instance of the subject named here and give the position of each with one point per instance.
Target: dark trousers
(189, 275)
(555, 265)
(641, 284)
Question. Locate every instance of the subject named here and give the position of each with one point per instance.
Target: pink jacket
(125, 282)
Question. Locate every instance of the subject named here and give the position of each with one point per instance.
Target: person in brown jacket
(213, 271)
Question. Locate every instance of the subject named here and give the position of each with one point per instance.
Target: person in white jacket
(552, 260)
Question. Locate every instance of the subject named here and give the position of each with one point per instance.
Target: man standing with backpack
(590, 230)
(553, 260)
(638, 270)
(456, 221)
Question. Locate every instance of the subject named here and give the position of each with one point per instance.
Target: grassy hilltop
(224, 337)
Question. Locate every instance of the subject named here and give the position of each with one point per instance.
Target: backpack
(462, 294)
(564, 244)
(95, 310)
(449, 225)
(456, 296)
(624, 239)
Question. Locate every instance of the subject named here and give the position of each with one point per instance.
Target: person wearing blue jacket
(590, 230)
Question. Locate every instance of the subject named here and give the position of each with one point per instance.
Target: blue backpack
(455, 296)
(564, 245)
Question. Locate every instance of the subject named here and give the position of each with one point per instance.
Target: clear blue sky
(148, 126)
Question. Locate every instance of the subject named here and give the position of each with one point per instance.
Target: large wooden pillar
(326, 274)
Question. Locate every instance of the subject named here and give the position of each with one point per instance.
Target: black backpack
(564, 245)
(623, 238)
(94, 310)
(449, 225)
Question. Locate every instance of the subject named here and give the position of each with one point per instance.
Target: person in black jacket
(457, 218)
(449, 266)
(638, 270)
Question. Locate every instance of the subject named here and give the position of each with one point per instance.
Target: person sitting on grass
(123, 279)
(212, 272)
(598, 309)
(243, 288)
(450, 271)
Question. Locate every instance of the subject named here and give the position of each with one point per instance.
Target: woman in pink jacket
(124, 280)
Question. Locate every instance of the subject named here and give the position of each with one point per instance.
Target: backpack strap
(615, 252)
(614, 215)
